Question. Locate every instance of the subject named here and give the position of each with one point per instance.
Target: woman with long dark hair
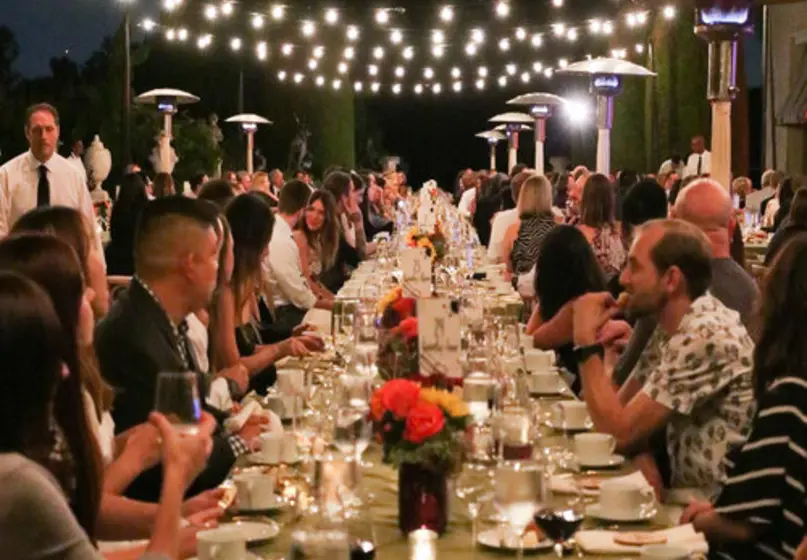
(132, 198)
(163, 185)
(598, 224)
(761, 511)
(317, 236)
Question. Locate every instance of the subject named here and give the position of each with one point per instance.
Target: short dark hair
(36, 108)
(517, 168)
(676, 159)
(217, 191)
(644, 201)
(293, 197)
(686, 247)
(628, 178)
(338, 184)
(196, 181)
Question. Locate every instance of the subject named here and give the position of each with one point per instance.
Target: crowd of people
(697, 373)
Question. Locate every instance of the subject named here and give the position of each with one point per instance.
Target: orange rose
(404, 307)
(409, 328)
(377, 409)
(399, 396)
(425, 420)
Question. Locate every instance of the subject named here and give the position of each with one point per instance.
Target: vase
(98, 162)
(422, 498)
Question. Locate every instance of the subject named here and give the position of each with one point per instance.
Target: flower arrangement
(419, 425)
(398, 352)
(434, 243)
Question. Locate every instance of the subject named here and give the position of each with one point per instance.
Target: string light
(504, 45)
(319, 81)
(358, 86)
(331, 16)
(669, 12)
(182, 34)
(349, 53)
(336, 84)
(298, 78)
(438, 36)
(400, 72)
(319, 51)
(595, 26)
(372, 70)
(308, 28)
(281, 75)
(382, 16)
(170, 5)
(227, 8)
(342, 68)
(502, 9)
(204, 41)
(559, 29)
(261, 50)
(478, 35)
(571, 35)
(408, 53)
(312, 64)
(548, 72)
(352, 33)
(639, 48)
(630, 19)
(374, 87)
(277, 12)
(457, 87)
(502, 81)
(378, 53)
(480, 84)
(537, 40)
(436, 89)
(641, 18)
(525, 77)
(148, 25)
(483, 72)
(521, 34)
(287, 49)
(396, 36)
(607, 27)
(428, 73)
(235, 44)
(557, 3)
(438, 51)
(257, 21)
(470, 49)
(418, 89)
(511, 69)
(211, 12)
(563, 63)
(446, 13)
(537, 67)
(396, 88)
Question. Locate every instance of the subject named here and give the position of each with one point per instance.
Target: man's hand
(590, 313)
(615, 334)
(312, 343)
(694, 509)
(299, 330)
(253, 428)
(207, 501)
(239, 374)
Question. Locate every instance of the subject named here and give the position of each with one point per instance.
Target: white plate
(491, 539)
(594, 510)
(254, 531)
(257, 459)
(586, 427)
(604, 463)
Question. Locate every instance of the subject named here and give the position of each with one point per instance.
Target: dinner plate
(604, 463)
(596, 511)
(254, 530)
(492, 538)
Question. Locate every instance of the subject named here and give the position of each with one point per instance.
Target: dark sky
(48, 28)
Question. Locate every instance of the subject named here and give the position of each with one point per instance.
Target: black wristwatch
(583, 353)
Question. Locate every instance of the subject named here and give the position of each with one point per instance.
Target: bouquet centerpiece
(435, 242)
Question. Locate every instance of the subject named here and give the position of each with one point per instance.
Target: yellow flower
(391, 297)
(427, 243)
(452, 404)
(411, 235)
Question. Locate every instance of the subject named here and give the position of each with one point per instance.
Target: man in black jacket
(176, 256)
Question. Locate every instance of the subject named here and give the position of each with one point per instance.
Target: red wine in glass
(559, 525)
(362, 550)
(517, 451)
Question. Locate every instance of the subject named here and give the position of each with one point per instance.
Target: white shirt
(669, 167)
(104, 431)
(76, 162)
(198, 337)
(501, 223)
(692, 164)
(466, 200)
(284, 271)
(19, 180)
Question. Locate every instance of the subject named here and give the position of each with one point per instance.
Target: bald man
(706, 204)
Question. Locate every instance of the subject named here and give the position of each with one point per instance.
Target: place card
(417, 272)
(427, 217)
(439, 337)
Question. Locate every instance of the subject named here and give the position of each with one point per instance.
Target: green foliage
(628, 134)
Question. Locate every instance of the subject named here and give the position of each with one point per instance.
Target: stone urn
(163, 157)
(98, 162)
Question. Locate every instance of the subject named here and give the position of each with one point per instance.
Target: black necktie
(43, 188)
(700, 164)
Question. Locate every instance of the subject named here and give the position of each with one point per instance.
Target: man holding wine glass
(176, 255)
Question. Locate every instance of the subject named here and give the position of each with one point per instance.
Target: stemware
(352, 431)
(319, 544)
(177, 398)
(518, 486)
(472, 487)
(560, 524)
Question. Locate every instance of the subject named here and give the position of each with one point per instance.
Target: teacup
(545, 382)
(256, 491)
(221, 544)
(626, 498)
(665, 552)
(290, 381)
(538, 360)
(570, 415)
(594, 448)
(271, 447)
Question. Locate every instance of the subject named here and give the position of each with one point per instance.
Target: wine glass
(518, 486)
(352, 431)
(366, 342)
(560, 524)
(471, 487)
(360, 527)
(177, 398)
(318, 544)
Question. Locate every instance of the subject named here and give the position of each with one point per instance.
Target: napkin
(320, 318)
(219, 395)
(602, 542)
(565, 483)
(234, 423)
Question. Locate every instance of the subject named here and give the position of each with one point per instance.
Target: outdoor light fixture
(249, 124)
(541, 106)
(502, 9)
(512, 123)
(308, 28)
(257, 21)
(492, 137)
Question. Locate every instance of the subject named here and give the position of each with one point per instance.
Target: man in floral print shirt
(694, 377)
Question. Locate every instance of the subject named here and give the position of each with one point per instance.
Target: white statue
(98, 162)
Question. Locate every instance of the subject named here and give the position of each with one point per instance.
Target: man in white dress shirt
(76, 153)
(504, 219)
(40, 176)
(292, 295)
(699, 162)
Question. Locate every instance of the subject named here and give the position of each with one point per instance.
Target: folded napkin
(219, 396)
(234, 423)
(565, 483)
(602, 542)
(320, 318)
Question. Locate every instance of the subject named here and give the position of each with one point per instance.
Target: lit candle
(422, 545)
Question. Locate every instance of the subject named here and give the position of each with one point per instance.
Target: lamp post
(721, 22)
(512, 125)
(493, 137)
(249, 124)
(606, 83)
(541, 106)
(167, 101)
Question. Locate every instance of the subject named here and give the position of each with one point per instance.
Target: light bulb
(428, 73)
(396, 88)
(478, 35)
(312, 64)
(211, 12)
(438, 36)
(408, 53)
(470, 49)
(261, 50)
(382, 16)
(227, 8)
(595, 26)
(436, 89)
(257, 21)
(521, 34)
(235, 44)
(277, 12)
(446, 13)
(298, 78)
(352, 33)
(504, 45)
(148, 25)
(336, 84)
(559, 29)
(331, 16)
(483, 72)
(182, 34)
(641, 18)
(525, 77)
(349, 53)
(639, 48)
(342, 68)
(669, 12)
(320, 81)
(378, 53)
(456, 73)
(372, 70)
(548, 72)
(537, 67)
(457, 87)
(396, 36)
(438, 51)
(511, 69)
(400, 72)
(281, 75)
(418, 89)
(563, 63)
(536, 40)
(287, 49)
(557, 3)
(358, 86)
(308, 28)
(571, 35)
(480, 84)
(502, 81)
(374, 87)
(607, 27)
(319, 51)
(502, 9)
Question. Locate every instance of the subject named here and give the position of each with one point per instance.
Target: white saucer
(254, 531)
(584, 428)
(257, 459)
(274, 506)
(594, 510)
(602, 463)
(492, 539)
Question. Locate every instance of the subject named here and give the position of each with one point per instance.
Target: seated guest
(243, 182)
(770, 181)
(132, 198)
(163, 185)
(469, 184)
(488, 203)
(506, 218)
(760, 511)
(598, 224)
(237, 339)
(177, 249)
(705, 204)
(261, 183)
(276, 182)
(353, 246)
(522, 242)
(217, 191)
(795, 224)
(282, 267)
(373, 210)
(196, 183)
(693, 381)
(317, 237)
(36, 520)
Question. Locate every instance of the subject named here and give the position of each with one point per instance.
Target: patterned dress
(609, 250)
(527, 245)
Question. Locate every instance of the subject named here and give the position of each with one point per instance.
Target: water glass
(518, 487)
(177, 398)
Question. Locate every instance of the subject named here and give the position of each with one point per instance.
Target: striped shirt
(766, 478)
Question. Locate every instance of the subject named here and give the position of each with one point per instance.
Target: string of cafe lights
(300, 58)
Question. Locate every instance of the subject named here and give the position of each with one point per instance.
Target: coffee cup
(271, 447)
(626, 498)
(290, 381)
(545, 382)
(291, 405)
(256, 491)
(221, 544)
(538, 360)
(289, 454)
(664, 552)
(571, 415)
(594, 448)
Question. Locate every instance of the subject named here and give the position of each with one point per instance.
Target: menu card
(439, 337)
(417, 268)
(427, 216)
